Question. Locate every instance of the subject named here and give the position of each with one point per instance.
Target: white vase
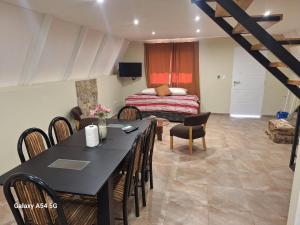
(102, 128)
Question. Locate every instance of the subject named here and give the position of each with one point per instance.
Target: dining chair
(193, 127)
(129, 178)
(47, 209)
(146, 162)
(62, 129)
(36, 141)
(80, 120)
(129, 112)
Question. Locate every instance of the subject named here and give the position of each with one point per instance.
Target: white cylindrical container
(91, 136)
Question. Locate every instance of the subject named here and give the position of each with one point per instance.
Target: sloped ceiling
(168, 18)
(36, 48)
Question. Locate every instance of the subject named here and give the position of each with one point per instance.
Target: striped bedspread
(187, 104)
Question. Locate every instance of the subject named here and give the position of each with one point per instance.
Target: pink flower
(100, 111)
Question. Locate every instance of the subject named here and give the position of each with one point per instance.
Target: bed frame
(171, 116)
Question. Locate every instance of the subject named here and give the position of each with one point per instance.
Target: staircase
(256, 26)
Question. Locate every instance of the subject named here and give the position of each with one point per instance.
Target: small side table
(161, 122)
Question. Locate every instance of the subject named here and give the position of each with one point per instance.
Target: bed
(174, 108)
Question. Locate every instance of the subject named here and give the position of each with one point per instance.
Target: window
(175, 64)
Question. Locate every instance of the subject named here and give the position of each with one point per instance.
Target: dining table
(98, 165)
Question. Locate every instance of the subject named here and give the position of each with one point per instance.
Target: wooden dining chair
(193, 127)
(36, 141)
(62, 129)
(82, 121)
(129, 178)
(146, 162)
(30, 190)
(129, 113)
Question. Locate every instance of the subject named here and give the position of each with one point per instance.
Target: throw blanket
(187, 104)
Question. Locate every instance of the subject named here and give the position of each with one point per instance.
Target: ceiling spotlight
(197, 18)
(198, 30)
(153, 33)
(136, 22)
(267, 13)
(100, 1)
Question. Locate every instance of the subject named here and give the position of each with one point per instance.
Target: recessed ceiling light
(153, 33)
(198, 30)
(100, 1)
(267, 13)
(197, 18)
(136, 22)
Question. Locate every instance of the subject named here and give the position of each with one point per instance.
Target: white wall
(110, 92)
(46, 51)
(134, 53)
(30, 106)
(216, 58)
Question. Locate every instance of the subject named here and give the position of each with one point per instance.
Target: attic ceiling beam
(35, 52)
(76, 51)
(115, 56)
(99, 51)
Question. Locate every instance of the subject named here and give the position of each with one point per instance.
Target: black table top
(103, 160)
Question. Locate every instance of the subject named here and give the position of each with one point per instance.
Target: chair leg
(143, 188)
(136, 198)
(204, 143)
(125, 213)
(151, 175)
(171, 142)
(191, 140)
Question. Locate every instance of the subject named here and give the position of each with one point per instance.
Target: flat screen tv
(130, 69)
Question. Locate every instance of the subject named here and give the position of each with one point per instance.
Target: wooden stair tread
(277, 64)
(282, 41)
(294, 82)
(221, 12)
(264, 21)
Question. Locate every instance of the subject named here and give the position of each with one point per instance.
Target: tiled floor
(242, 179)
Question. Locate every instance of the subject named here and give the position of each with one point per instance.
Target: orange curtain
(185, 67)
(158, 63)
(174, 64)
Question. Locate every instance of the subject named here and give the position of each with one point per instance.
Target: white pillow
(178, 91)
(149, 91)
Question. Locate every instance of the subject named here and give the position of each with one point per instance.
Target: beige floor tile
(262, 181)
(229, 217)
(242, 179)
(268, 202)
(269, 220)
(224, 197)
(187, 214)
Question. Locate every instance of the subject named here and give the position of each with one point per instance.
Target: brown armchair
(192, 128)
(80, 121)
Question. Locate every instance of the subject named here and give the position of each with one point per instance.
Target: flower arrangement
(100, 111)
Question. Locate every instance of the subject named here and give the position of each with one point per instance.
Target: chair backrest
(133, 163)
(129, 113)
(76, 113)
(197, 120)
(152, 138)
(149, 145)
(62, 129)
(32, 191)
(35, 140)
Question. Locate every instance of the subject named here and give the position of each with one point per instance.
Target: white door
(247, 85)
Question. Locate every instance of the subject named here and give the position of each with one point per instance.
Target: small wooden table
(161, 122)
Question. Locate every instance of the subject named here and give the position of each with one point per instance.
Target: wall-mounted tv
(130, 69)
